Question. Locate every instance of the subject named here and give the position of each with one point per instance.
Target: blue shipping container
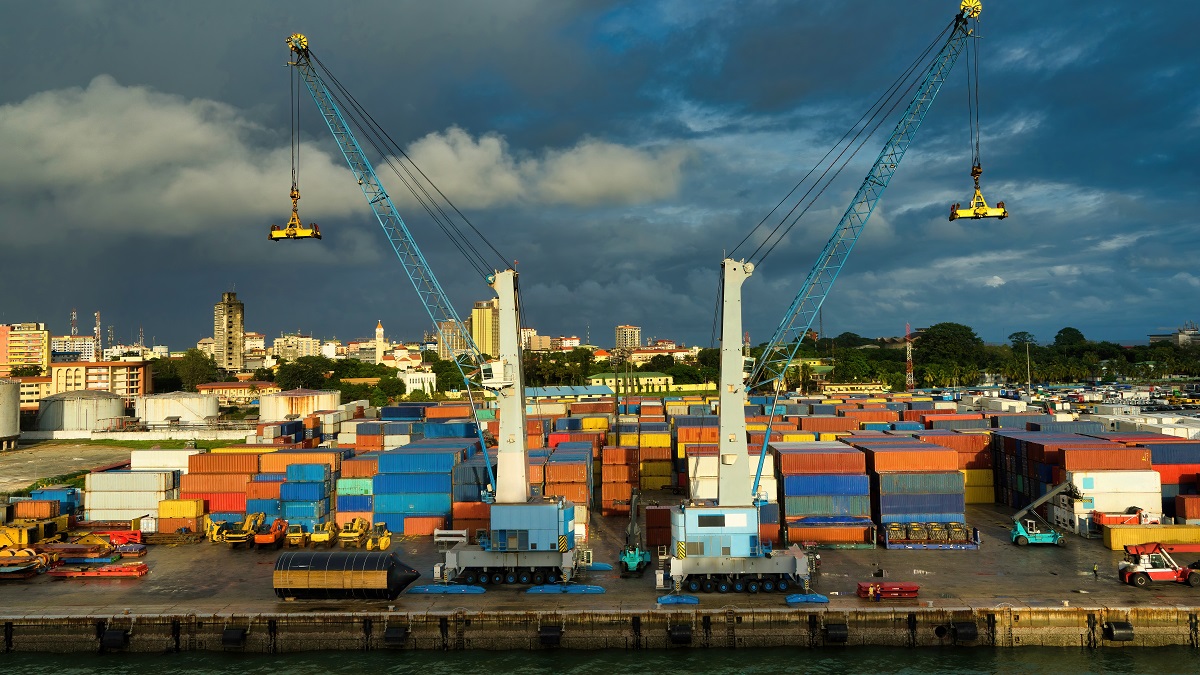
(305, 509)
(929, 503)
(269, 507)
(826, 484)
(398, 483)
(412, 460)
(303, 492)
(307, 473)
(413, 502)
(354, 503)
(1174, 453)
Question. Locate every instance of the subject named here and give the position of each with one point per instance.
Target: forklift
(634, 558)
(1026, 531)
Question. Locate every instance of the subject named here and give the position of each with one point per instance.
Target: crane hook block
(294, 228)
(978, 208)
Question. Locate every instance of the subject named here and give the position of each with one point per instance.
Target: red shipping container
(970, 443)
(423, 525)
(619, 455)
(209, 462)
(219, 502)
(471, 510)
(535, 442)
(658, 516)
(363, 443)
(215, 482)
(576, 492)
(698, 434)
(262, 489)
(537, 470)
(36, 509)
(278, 462)
(173, 525)
(793, 459)
(652, 418)
(1187, 507)
(827, 423)
(1089, 459)
(658, 536)
(1178, 474)
(755, 438)
(872, 415)
(360, 467)
(770, 532)
(799, 534)
(916, 415)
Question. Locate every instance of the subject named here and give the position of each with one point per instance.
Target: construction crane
(717, 546)
(1026, 531)
(295, 228)
(530, 539)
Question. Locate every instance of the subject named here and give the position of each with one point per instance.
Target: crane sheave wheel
(971, 8)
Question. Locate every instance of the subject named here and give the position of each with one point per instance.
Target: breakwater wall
(729, 627)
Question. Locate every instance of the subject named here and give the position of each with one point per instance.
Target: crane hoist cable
(295, 228)
(978, 207)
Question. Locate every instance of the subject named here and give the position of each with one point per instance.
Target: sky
(615, 150)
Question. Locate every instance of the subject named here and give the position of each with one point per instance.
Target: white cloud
(994, 281)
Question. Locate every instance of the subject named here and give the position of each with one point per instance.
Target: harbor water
(1032, 660)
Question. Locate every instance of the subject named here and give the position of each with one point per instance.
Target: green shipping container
(355, 486)
(912, 483)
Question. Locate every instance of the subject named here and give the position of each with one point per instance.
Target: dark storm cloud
(614, 149)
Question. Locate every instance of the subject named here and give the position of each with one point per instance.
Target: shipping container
(244, 463)
(131, 481)
(397, 483)
(180, 508)
(1117, 537)
(214, 482)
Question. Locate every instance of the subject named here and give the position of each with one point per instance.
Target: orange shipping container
(343, 518)
(619, 473)
(360, 467)
(36, 508)
(535, 441)
(173, 525)
(616, 491)
(698, 434)
(972, 443)
(619, 455)
(471, 510)
(537, 470)
(1187, 506)
(828, 535)
(1091, 459)
(916, 415)
(576, 492)
(442, 412)
(208, 462)
(278, 462)
(827, 423)
(423, 525)
(259, 489)
(872, 415)
(899, 458)
(564, 472)
(364, 443)
(654, 454)
(217, 482)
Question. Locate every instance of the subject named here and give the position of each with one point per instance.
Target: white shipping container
(396, 440)
(114, 514)
(1115, 481)
(1066, 520)
(161, 460)
(945, 405)
(150, 524)
(1114, 502)
(703, 487)
(768, 464)
(344, 438)
(131, 481)
(126, 500)
(703, 467)
(768, 488)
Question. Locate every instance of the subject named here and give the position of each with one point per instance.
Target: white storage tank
(296, 403)
(189, 407)
(10, 413)
(78, 410)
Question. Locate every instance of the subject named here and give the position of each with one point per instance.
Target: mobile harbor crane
(717, 546)
(531, 540)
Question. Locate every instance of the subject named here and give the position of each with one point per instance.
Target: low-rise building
(639, 382)
(32, 390)
(418, 380)
(237, 393)
(127, 379)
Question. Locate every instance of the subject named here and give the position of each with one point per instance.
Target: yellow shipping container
(922, 398)
(181, 508)
(594, 423)
(654, 439)
(246, 449)
(875, 400)
(1117, 537)
(756, 426)
(656, 482)
(799, 436)
(983, 494)
(832, 435)
(978, 477)
(656, 468)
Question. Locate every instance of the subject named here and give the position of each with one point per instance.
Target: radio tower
(96, 330)
(909, 380)
(141, 337)
(74, 322)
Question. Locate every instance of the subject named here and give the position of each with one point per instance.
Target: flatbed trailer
(116, 571)
(932, 544)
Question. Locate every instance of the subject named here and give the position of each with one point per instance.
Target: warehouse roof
(546, 392)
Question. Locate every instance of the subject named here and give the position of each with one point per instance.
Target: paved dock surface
(20, 468)
(211, 579)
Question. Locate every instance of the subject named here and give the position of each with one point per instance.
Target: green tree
(196, 367)
(1021, 338)
(1069, 337)
(264, 375)
(659, 363)
(948, 343)
(26, 371)
(851, 366)
(709, 358)
(164, 375)
(418, 395)
(306, 372)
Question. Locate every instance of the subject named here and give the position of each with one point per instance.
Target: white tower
(380, 343)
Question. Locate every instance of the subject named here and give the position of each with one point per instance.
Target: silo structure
(186, 407)
(10, 413)
(82, 410)
(296, 403)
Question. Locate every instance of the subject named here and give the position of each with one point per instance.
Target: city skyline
(617, 196)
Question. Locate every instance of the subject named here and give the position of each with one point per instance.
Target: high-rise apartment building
(485, 326)
(629, 337)
(83, 346)
(293, 346)
(24, 344)
(450, 341)
(229, 333)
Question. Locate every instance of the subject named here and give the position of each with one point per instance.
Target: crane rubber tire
(510, 577)
(768, 585)
(1193, 579)
(497, 578)
(783, 585)
(708, 586)
(1062, 541)
(693, 585)
(524, 577)
(1141, 580)
(1022, 540)
(468, 578)
(723, 586)
(752, 586)
(739, 585)
(484, 578)
(539, 578)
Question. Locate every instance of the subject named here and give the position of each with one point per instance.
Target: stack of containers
(368, 437)
(826, 495)
(181, 515)
(161, 460)
(1108, 498)
(974, 461)
(1178, 465)
(220, 480)
(412, 491)
(654, 456)
(619, 475)
(304, 496)
(700, 429)
(125, 495)
(69, 499)
(263, 495)
(1187, 510)
(469, 479)
(355, 490)
(915, 483)
(568, 473)
(658, 526)
(1026, 464)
